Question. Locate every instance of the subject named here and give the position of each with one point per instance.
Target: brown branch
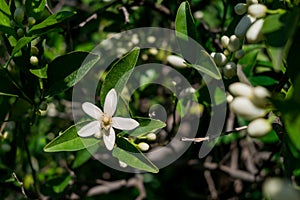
(21, 184)
(126, 14)
(211, 185)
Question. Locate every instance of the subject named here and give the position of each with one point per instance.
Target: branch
(21, 184)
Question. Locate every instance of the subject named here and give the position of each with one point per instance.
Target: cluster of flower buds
(19, 23)
(251, 23)
(226, 60)
(251, 104)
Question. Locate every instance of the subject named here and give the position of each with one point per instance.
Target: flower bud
(254, 33)
(243, 25)
(176, 61)
(244, 108)
(143, 146)
(276, 189)
(12, 23)
(31, 21)
(151, 136)
(43, 106)
(34, 50)
(239, 54)
(240, 8)
(19, 15)
(257, 10)
(260, 96)
(225, 41)
(240, 89)
(249, 2)
(259, 127)
(220, 59)
(20, 32)
(230, 70)
(34, 60)
(234, 43)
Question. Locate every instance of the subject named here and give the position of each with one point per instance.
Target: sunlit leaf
(146, 126)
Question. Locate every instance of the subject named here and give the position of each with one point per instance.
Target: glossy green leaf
(262, 80)
(7, 87)
(65, 71)
(147, 125)
(119, 74)
(40, 73)
(82, 156)
(132, 156)
(4, 14)
(184, 22)
(248, 61)
(50, 22)
(70, 141)
(206, 65)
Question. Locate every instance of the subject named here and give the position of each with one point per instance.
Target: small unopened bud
(259, 127)
(19, 15)
(240, 89)
(243, 107)
(220, 59)
(260, 96)
(31, 21)
(243, 25)
(239, 54)
(254, 33)
(198, 14)
(240, 8)
(234, 43)
(257, 10)
(20, 32)
(34, 60)
(225, 41)
(34, 50)
(143, 146)
(151, 136)
(176, 61)
(230, 70)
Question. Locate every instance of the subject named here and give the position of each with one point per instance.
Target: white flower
(104, 121)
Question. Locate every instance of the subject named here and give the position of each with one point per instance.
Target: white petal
(92, 110)
(109, 139)
(110, 103)
(89, 129)
(124, 123)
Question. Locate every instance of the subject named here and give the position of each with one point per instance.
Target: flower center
(106, 122)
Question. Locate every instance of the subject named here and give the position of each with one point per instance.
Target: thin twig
(211, 185)
(126, 14)
(21, 184)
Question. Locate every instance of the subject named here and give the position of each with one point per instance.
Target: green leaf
(206, 65)
(147, 125)
(262, 80)
(20, 44)
(132, 156)
(219, 96)
(50, 22)
(84, 155)
(248, 61)
(4, 14)
(70, 141)
(277, 56)
(7, 87)
(119, 74)
(40, 73)
(35, 6)
(184, 22)
(65, 71)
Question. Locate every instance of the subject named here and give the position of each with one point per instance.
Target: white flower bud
(243, 25)
(230, 70)
(143, 146)
(240, 8)
(234, 43)
(254, 33)
(212, 54)
(34, 60)
(240, 89)
(276, 189)
(239, 54)
(225, 41)
(151, 136)
(220, 59)
(257, 10)
(176, 61)
(260, 96)
(259, 127)
(249, 2)
(244, 108)
(198, 14)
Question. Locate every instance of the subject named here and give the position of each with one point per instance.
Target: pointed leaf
(65, 71)
(129, 154)
(119, 74)
(147, 125)
(70, 141)
(21, 43)
(40, 73)
(83, 156)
